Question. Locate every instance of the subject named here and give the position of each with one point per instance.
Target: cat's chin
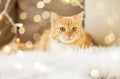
(68, 41)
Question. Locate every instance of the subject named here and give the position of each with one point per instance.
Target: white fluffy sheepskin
(64, 64)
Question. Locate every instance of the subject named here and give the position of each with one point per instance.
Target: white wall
(103, 20)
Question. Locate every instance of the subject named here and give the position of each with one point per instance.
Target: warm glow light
(23, 15)
(75, 2)
(37, 18)
(45, 15)
(67, 1)
(7, 49)
(46, 1)
(36, 36)
(1, 16)
(29, 44)
(110, 38)
(95, 73)
(40, 4)
(21, 30)
(17, 40)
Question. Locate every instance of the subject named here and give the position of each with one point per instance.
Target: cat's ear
(80, 16)
(53, 16)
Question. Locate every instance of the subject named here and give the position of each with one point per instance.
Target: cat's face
(66, 29)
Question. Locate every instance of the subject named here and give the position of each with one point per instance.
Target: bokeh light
(1, 17)
(23, 15)
(110, 38)
(46, 1)
(95, 73)
(37, 18)
(75, 2)
(17, 40)
(36, 36)
(7, 49)
(21, 30)
(29, 44)
(45, 15)
(66, 1)
(40, 4)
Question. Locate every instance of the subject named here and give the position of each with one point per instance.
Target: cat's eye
(74, 29)
(62, 29)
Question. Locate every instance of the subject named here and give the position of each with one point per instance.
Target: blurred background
(32, 18)
(103, 21)
(33, 15)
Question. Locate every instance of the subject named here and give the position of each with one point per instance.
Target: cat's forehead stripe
(68, 21)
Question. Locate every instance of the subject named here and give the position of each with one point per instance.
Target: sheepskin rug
(91, 63)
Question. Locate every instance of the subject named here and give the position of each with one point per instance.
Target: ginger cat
(64, 32)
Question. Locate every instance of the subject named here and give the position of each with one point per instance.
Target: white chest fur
(55, 46)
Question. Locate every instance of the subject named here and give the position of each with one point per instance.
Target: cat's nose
(69, 35)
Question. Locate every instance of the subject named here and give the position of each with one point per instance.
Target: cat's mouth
(67, 40)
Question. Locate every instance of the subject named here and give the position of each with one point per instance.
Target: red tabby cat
(64, 32)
